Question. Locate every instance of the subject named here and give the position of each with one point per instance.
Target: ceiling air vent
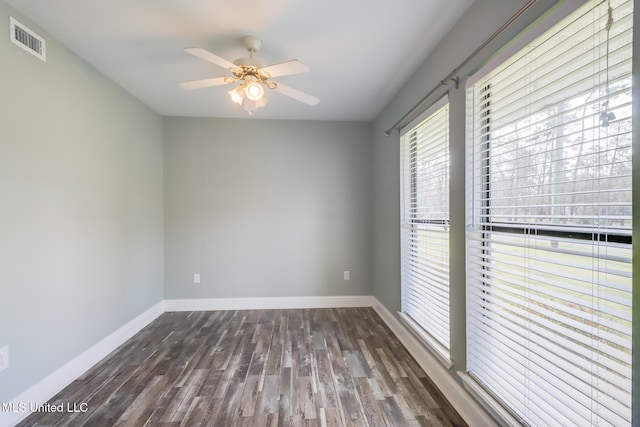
(27, 39)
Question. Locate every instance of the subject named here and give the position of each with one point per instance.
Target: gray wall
(81, 239)
(266, 208)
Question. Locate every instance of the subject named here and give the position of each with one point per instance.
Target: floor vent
(27, 39)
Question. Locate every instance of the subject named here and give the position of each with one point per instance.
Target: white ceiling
(360, 51)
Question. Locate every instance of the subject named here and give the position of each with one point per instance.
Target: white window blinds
(549, 225)
(425, 228)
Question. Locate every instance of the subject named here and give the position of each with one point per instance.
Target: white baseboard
(266, 303)
(468, 408)
(49, 386)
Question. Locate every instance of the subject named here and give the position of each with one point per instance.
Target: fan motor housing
(251, 62)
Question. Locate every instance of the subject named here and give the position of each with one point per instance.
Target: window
(425, 228)
(549, 280)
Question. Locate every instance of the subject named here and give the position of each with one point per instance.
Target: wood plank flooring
(311, 367)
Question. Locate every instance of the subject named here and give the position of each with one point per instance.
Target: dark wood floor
(314, 367)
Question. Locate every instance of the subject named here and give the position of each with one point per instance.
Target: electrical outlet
(345, 275)
(4, 357)
(196, 278)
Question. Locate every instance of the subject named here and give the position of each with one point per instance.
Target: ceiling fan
(253, 75)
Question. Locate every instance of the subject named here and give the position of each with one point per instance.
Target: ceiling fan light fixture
(243, 96)
(237, 94)
(254, 91)
(260, 102)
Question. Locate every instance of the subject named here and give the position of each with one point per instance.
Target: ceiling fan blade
(210, 57)
(199, 84)
(285, 68)
(297, 95)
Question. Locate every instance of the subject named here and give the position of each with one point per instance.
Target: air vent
(27, 39)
